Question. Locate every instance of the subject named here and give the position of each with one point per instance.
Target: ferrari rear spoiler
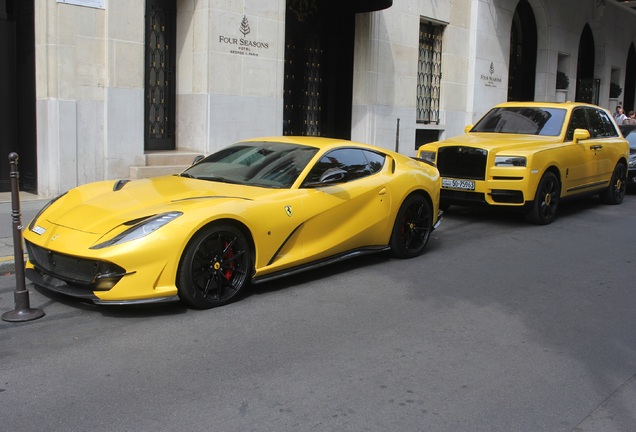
(427, 162)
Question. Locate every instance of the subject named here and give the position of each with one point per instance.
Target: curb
(7, 265)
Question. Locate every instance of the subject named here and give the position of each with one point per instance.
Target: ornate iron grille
(289, 91)
(304, 97)
(587, 90)
(159, 78)
(313, 87)
(429, 73)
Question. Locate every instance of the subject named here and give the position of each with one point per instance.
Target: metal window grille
(429, 73)
(158, 77)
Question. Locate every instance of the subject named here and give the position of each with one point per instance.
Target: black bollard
(397, 136)
(22, 311)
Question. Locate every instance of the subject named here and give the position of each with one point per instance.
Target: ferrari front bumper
(59, 286)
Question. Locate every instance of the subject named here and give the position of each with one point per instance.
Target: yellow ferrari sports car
(251, 212)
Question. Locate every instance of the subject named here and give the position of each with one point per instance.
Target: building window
(429, 73)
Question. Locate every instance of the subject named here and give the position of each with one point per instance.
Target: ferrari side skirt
(136, 302)
(316, 264)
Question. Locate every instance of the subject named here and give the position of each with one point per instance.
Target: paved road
(500, 326)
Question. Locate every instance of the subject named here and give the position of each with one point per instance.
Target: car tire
(544, 207)
(215, 267)
(615, 192)
(412, 228)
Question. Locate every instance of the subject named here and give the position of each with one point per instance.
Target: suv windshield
(266, 164)
(522, 120)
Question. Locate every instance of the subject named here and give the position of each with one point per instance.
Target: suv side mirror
(580, 135)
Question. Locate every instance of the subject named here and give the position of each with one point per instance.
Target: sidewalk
(30, 205)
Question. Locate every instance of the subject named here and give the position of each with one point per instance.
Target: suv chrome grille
(462, 162)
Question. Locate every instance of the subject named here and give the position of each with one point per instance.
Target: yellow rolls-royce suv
(530, 155)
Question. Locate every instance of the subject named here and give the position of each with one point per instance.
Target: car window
(376, 160)
(265, 164)
(578, 120)
(522, 120)
(356, 163)
(600, 124)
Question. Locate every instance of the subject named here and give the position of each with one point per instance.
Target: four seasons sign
(243, 45)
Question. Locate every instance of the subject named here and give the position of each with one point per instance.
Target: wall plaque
(491, 79)
(238, 41)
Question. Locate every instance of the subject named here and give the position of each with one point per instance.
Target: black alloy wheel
(412, 228)
(615, 192)
(215, 267)
(546, 200)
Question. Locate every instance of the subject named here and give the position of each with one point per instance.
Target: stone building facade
(115, 81)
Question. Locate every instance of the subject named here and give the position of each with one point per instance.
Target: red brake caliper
(229, 271)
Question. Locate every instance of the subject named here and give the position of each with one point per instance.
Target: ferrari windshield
(522, 120)
(266, 164)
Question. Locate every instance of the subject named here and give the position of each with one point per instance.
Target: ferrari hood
(97, 208)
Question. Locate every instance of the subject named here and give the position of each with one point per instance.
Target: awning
(303, 9)
(370, 5)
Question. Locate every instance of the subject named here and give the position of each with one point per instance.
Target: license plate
(458, 184)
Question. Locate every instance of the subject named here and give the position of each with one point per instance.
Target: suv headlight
(428, 156)
(510, 161)
(140, 230)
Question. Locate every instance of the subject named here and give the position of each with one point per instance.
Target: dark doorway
(587, 87)
(160, 87)
(630, 79)
(319, 37)
(17, 92)
(523, 54)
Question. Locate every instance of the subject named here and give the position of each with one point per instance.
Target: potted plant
(615, 90)
(562, 81)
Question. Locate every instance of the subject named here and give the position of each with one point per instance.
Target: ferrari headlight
(427, 156)
(510, 161)
(140, 230)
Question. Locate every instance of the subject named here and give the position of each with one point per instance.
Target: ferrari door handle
(596, 147)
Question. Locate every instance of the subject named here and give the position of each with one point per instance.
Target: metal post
(22, 311)
(397, 137)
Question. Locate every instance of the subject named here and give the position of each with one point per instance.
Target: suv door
(580, 161)
(606, 141)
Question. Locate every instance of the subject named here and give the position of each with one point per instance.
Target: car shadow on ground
(317, 274)
(117, 311)
(513, 216)
(50, 298)
(506, 218)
